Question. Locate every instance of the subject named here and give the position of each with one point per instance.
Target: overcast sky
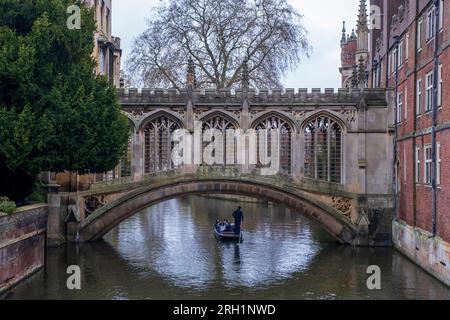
(322, 18)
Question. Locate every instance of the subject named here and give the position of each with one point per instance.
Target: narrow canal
(169, 251)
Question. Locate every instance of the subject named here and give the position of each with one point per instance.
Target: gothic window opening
(285, 131)
(323, 150)
(158, 144)
(125, 162)
(221, 124)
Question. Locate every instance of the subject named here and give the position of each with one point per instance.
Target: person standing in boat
(238, 216)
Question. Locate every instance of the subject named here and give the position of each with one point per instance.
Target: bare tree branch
(219, 36)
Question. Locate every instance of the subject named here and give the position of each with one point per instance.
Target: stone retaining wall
(22, 244)
(431, 253)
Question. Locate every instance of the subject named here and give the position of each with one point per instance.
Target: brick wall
(415, 200)
(443, 218)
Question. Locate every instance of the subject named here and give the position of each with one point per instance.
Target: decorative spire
(344, 33)
(362, 16)
(245, 74)
(353, 35)
(191, 78)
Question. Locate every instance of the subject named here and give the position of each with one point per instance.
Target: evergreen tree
(55, 113)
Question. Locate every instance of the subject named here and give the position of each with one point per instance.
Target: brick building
(348, 56)
(409, 51)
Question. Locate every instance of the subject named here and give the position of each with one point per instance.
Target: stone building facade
(107, 50)
(410, 53)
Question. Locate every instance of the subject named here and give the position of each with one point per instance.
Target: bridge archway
(106, 218)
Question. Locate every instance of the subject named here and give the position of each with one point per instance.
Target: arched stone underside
(104, 219)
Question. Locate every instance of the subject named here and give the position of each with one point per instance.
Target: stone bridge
(336, 160)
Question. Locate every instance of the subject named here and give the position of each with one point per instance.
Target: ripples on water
(169, 252)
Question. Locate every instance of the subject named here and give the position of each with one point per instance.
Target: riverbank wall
(430, 253)
(22, 244)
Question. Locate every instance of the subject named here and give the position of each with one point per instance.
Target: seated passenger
(222, 226)
(227, 225)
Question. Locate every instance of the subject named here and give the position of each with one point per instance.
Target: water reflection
(169, 252)
(177, 242)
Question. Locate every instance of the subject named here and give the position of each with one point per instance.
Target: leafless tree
(219, 36)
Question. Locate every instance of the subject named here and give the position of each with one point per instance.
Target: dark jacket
(238, 217)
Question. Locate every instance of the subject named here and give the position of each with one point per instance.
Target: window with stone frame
(407, 47)
(268, 124)
(323, 150)
(438, 164)
(417, 169)
(400, 107)
(126, 160)
(400, 54)
(158, 144)
(419, 97)
(102, 61)
(428, 165)
(419, 33)
(222, 125)
(430, 24)
(429, 92)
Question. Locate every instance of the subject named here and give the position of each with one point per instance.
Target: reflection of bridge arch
(109, 216)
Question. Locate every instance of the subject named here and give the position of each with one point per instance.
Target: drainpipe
(395, 174)
(435, 110)
(416, 55)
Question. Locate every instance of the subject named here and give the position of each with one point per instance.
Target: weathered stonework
(356, 211)
(431, 253)
(104, 219)
(22, 244)
(334, 209)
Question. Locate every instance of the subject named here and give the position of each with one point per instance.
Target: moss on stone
(6, 207)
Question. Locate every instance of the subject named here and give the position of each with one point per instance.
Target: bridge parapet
(235, 173)
(261, 96)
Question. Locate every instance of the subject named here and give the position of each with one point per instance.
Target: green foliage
(7, 206)
(55, 113)
(38, 195)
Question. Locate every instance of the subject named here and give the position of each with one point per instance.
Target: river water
(169, 251)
